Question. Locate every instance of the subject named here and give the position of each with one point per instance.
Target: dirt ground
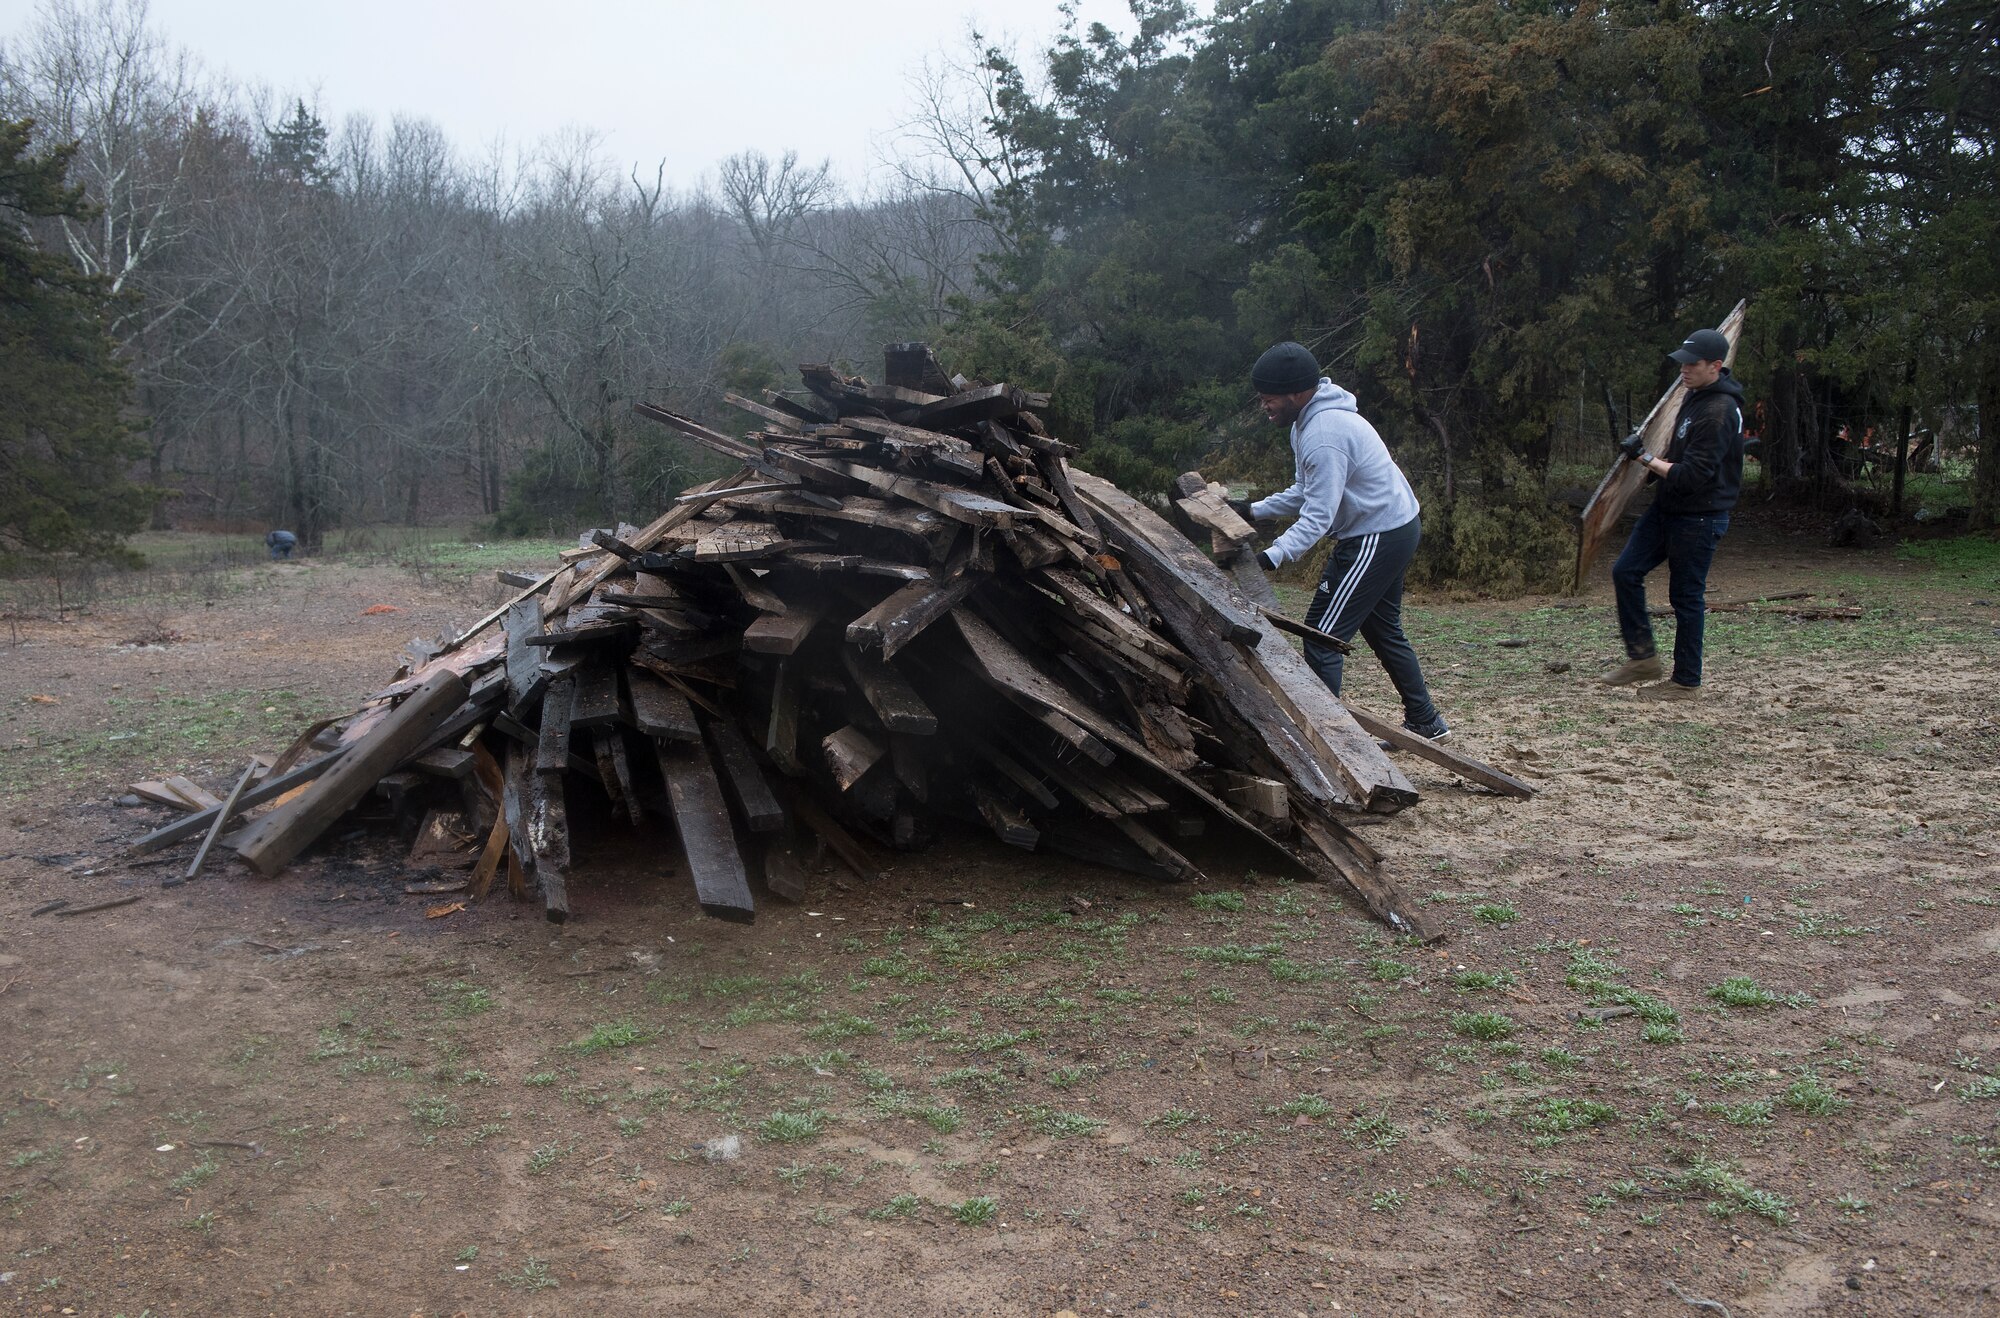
(1715, 1020)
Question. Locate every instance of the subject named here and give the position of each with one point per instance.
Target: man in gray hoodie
(1346, 486)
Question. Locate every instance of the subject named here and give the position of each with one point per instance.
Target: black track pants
(1363, 591)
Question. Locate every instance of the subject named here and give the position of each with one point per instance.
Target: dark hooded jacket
(1706, 451)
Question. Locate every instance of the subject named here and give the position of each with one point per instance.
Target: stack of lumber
(903, 610)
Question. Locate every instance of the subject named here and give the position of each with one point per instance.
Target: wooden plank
(713, 440)
(782, 420)
(597, 702)
(286, 832)
(526, 676)
(1021, 776)
(658, 710)
(784, 873)
(754, 591)
(781, 733)
(902, 617)
(1179, 867)
(193, 793)
(1183, 568)
(1614, 494)
(490, 857)
(517, 789)
(860, 509)
(1385, 899)
(1299, 629)
(962, 506)
(889, 693)
(161, 794)
(548, 839)
(1311, 719)
(1211, 512)
(1265, 797)
(783, 633)
(748, 787)
(1008, 824)
(443, 762)
(850, 754)
(715, 864)
(994, 402)
(552, 746)
(649, 535)
(224, 810)
(1463, 765)
(735, 542)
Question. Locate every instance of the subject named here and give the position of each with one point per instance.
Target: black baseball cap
(1704, 345)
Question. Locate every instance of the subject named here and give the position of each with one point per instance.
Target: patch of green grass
(791, 1127)
(1174, 1118)
(1388, 1202)
(1750, 1112)
(1063, 1125)
(1731, 1193)
(1479, 981)
(1306, 1105)
(1374, 1130)
(1813, 1096)
(1743, 991)
(606, 1036)
(196, 1176)
(1563, 1116)
(461, 998)
(1561, 1060)
(842, 1026)
(1656, 1033)
(1231, 954)
(977, 1211)
(533, 1276)
(1388, 970)
(437, 1112)
(1499, 914)
(903, 1205)
(546, 1156)
(1217, 901)
(1981, 1089)
(1484, 1025)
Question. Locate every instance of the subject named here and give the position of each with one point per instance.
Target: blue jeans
(1685, 542)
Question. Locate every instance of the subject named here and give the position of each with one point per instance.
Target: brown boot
(1634, 670)
(1669, 691)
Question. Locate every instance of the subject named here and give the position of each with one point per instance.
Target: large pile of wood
(903, 610)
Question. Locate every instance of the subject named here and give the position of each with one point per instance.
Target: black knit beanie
(1285, 368)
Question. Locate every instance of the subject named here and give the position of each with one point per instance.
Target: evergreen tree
(65, 449)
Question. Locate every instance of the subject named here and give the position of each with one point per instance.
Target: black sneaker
(1432, 731)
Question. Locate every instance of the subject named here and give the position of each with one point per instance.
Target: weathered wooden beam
(715, 863)
(597, 702)
(1424, 748)
(286, 832)
(658, 710)
(1008, 823)
(548, 838)
(748, 787)
(552, 747)
(783, 633)
(889, 693)
(850, 754)
(902, 617)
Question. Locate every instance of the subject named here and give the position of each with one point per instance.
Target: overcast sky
(687, 81)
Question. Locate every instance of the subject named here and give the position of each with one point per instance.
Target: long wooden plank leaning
(288, 831)
(1463, 765)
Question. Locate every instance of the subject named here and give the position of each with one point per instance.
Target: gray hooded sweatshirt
(1347, 484)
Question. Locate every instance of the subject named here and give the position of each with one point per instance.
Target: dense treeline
(1493, 219)
(1489, 218)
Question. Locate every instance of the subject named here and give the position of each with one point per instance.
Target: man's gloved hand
(1241, 507)
(1265, 561)
(1633, 445)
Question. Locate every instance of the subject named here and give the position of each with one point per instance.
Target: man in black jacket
(1698, 478)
